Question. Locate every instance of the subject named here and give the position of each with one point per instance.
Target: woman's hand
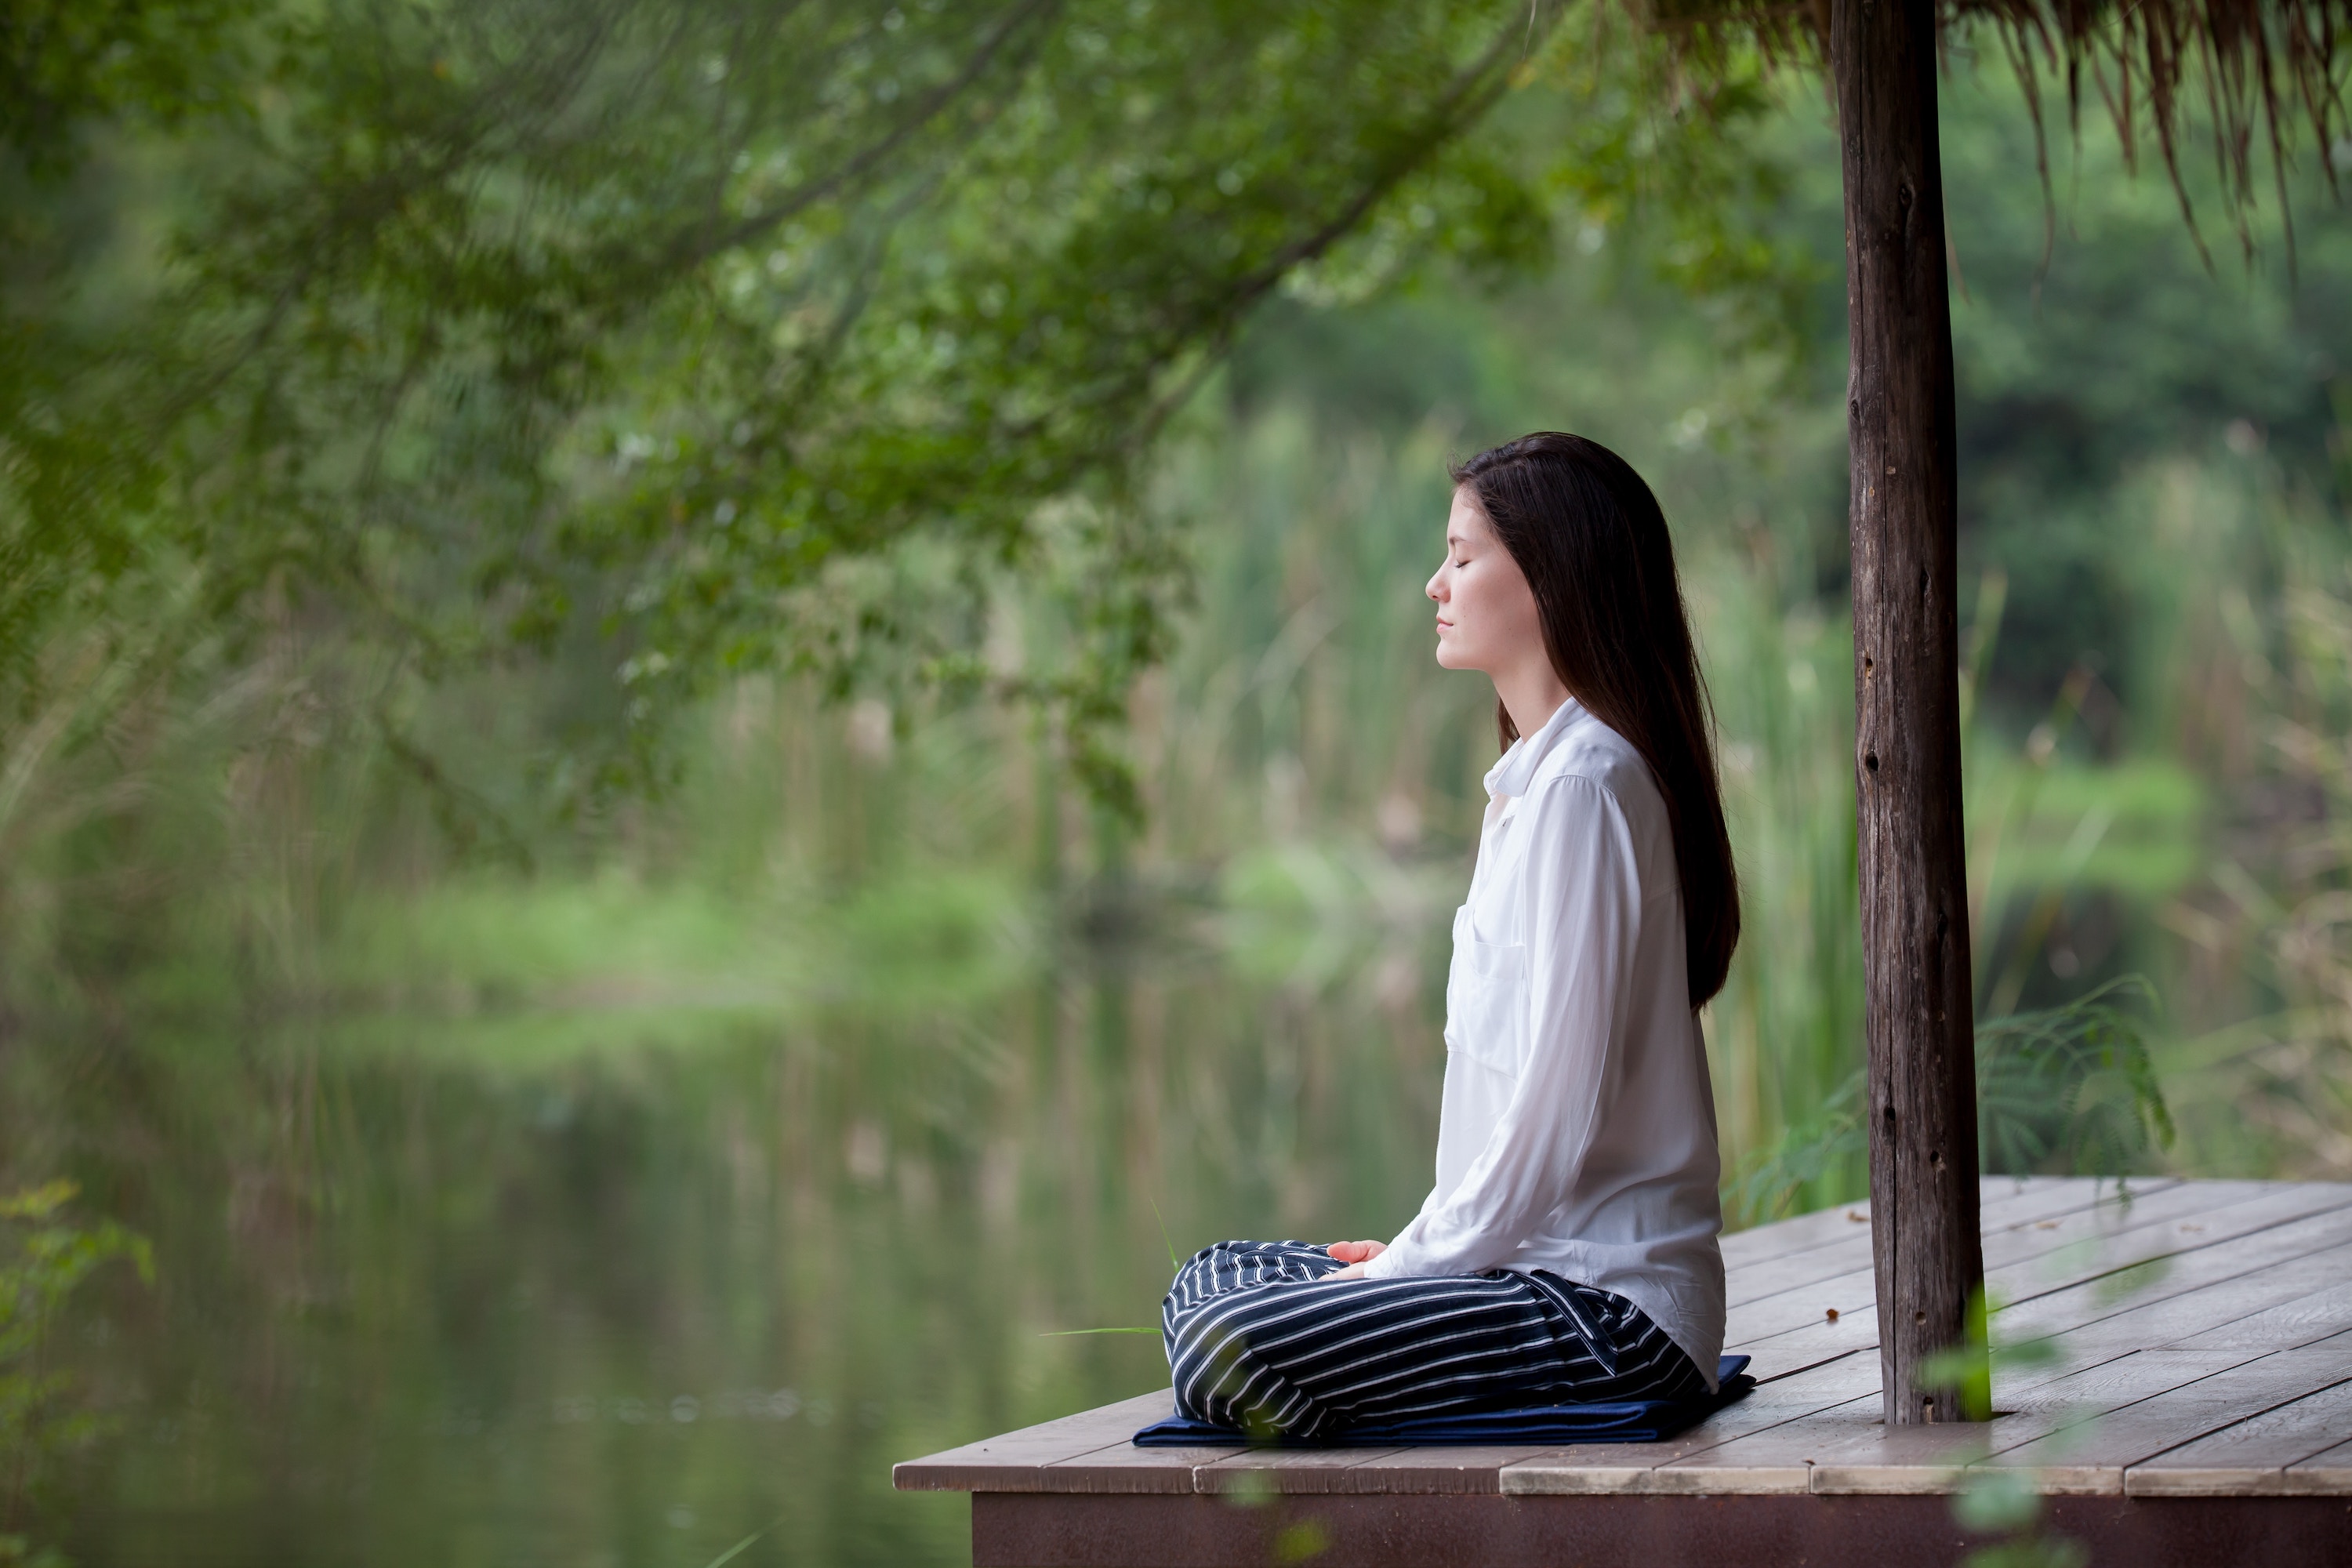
(1355, 1253)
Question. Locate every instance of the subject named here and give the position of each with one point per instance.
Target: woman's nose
(1433, 587)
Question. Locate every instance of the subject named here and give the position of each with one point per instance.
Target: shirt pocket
(1485, 1000)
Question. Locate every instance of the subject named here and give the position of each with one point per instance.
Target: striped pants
(1256, 1340)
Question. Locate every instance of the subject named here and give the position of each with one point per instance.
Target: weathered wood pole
(1914, 869)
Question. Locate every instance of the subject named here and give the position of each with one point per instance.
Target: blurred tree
(65, 63)
(706, 335)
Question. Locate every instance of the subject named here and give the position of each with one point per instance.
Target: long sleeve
(1580, 921)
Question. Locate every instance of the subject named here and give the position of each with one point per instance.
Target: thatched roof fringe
(2262, 72)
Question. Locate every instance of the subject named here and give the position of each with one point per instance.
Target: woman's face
(1486, 612)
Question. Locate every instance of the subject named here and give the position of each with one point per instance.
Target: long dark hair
(1589, 536)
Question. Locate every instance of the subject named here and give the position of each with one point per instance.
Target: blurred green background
(547, 1162)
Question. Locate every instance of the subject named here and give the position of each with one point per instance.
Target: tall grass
(243, 833)
(2267, 1091)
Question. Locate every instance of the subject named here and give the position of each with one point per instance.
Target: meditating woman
(1568, 1251)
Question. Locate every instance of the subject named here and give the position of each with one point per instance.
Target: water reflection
(651, 1282)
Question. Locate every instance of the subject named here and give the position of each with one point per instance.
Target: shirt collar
(1515, 770)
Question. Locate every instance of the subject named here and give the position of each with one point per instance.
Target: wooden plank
(1786, 1333)
(2008, 1201)
(2214, 1372)
(1827, 1339)
(2045, 1409)
(1124, 1468)
(2000, 1199)
(2089, 1457)
(1016, 1460)
(1778, 1460)
(1851, 1443)
(2251, 1457)
(1287, 1472)
(2197, 1300)
(2323, 1475)
(1442, 1470)
(1589, 1469)
(2048, 1199)
(2181, 1219)
(2056, 1196)
(1802, 1233)
(1859, 1454)
(1799, 1233)
(2021, 1242)
(1848, 1451)
(2321, 1312)
(2272, 1265)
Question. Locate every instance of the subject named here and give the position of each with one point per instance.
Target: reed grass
(1310, 779)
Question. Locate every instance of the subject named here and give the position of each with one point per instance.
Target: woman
(1568, 1248)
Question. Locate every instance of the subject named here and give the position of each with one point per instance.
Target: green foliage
(660, 343)
(717, 337)
(65, 63)
(2067, 1090)
(2072, 1087)
(2271, 1087)
(1997, 1502)
(1693, 159)
(1767, 1185)
(742, 1082)
(1301, 1540)
(47, 1257)
(2117, 347)
(2038, 1550)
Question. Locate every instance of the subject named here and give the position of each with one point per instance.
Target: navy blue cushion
(1638, 1421)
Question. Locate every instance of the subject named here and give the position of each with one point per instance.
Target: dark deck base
(1034, 1530)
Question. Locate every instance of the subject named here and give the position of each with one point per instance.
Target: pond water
(625, 1284)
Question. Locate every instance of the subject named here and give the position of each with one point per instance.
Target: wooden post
(1914, 871)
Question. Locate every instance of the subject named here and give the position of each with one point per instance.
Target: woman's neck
(1531, 696)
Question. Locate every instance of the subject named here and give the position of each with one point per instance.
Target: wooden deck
(2191, 1403)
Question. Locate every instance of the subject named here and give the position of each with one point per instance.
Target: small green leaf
(1164, 1238)
(736, 1549)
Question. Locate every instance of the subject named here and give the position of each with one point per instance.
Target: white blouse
(1577, 1130)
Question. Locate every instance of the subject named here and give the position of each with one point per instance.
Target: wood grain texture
(2118, 1252)
(1918, 1007)
(1017, 1460)
(2090, 1457)
(1267, 1472)
(2113, 1232)
(2204, 1301)
(1124, 1468)
(1460, 1471)
(2249, 1458)
(2316, 1314)
(2203, 1349)
(1850, 1450)
(2012, 1198)
(2323, 1475)
(1811, 1258)
(1589, 1469)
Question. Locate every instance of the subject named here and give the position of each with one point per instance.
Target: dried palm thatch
(2250, 77)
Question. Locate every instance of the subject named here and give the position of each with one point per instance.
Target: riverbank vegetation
(413, 982)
